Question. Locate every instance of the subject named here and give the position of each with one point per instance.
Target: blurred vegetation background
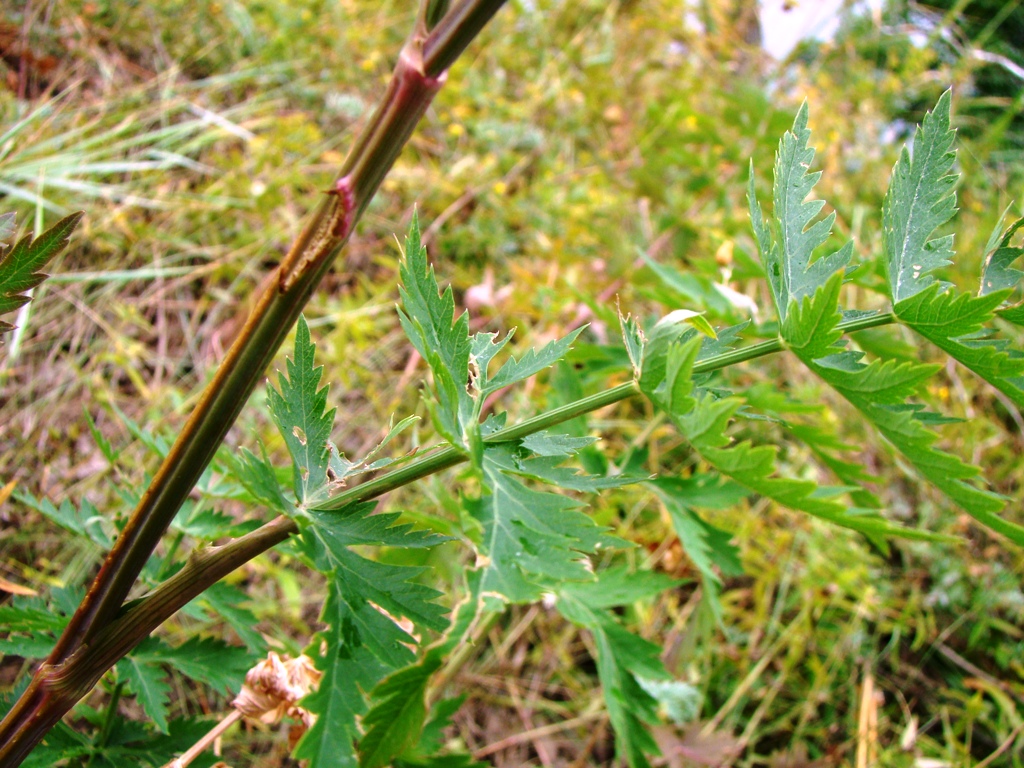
(584, 158)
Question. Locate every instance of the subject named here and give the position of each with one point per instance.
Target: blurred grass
(571, 140)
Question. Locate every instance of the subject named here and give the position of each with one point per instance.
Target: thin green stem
(207, 566)
(110, 717)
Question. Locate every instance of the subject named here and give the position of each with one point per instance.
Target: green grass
(576, 140)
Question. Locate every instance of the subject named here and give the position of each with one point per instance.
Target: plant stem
(208, 565)
(419, 74)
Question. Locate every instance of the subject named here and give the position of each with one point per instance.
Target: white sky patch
(782, 29)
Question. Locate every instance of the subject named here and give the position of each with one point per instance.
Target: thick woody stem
(72, 668)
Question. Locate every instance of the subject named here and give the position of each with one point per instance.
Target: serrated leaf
(622, 585)
(31, 615)
(428, 318)
(789, 262)
(622, 660)
(300, 412)
(146, 681)
(548, 469)
(852, 473)
(363, 583)
(810, 327)
(530, 537)
(532, 361)
(257, 476)
(441, 713)
(85, 521)
(224, 600)
(920, 199)
(33, 645)
(363, 643)
(704, 425)
(553, 444)
(396, 720)
(880, 390)
(193, 519)
(998, 275)
(101, 442)
(694, 319)
(20, 266)
(666, 372)
(348, 668)
(356, 524)
(706, 490)
(634, 340)
(953, 322)
(705, 546)
(204, 659)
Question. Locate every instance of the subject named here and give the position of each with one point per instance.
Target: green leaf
(687, 288)
(553, 444)
(395, 722)
(788, 258)
(547, 469)
(852, 473)
(666, 377)
(205, 659)
(356, 524)
(146, 681)
(998, 275)
(101, 442)
(622, 585)
(705, 545)
(954, 323)
(704, 425)
(362, 644)
(680, 701)
(85, 521)
(920, 199)
(880, 392)
(530, 538)
(810, 327)
(257, 476)
(299, 410)
(31, 645)
(623, 659)
(224, 600)
(428, 318)
(20, 266)
(531, 362)
(31, 615)
(348, 668)
(441, 713)
(634, 341)
(706, 490)
(364, 583)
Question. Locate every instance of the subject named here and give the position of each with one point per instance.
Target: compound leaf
(365, 601)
